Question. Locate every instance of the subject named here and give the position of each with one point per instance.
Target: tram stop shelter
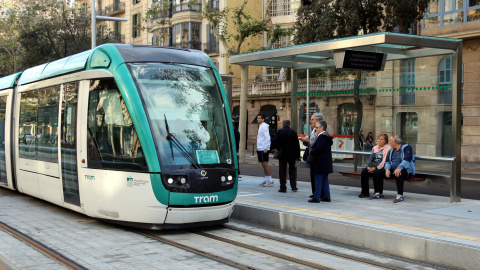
(394, 67)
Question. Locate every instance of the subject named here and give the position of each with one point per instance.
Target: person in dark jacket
(322, 162)
(286, 140)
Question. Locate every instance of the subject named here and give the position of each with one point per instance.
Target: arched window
(445, 71)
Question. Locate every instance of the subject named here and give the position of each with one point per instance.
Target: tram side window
(28, 125)
(47, 138)
(112, 139)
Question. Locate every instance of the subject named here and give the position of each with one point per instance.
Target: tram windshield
(186, 114)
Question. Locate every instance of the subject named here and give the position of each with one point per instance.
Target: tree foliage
(48, 30)
(328, 19)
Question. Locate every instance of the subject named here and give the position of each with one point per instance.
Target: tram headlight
(183, 180)
(170, 181)
(230, 178)
(223, 178)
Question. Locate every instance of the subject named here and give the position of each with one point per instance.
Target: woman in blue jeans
(321, 165)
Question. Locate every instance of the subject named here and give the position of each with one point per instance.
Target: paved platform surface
(424, 227)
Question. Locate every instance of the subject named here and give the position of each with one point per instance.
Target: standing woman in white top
(263, 149)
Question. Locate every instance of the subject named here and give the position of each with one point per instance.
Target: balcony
(115, 9)
(316, 85)
(186, 6)
(196, 45)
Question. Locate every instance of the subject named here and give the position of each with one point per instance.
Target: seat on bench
(415, 179)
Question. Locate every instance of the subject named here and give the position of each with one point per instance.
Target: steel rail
(51, 253)
(194, 250)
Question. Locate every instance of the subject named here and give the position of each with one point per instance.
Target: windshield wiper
(176, 143)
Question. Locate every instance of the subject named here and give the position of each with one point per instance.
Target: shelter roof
(321, 54)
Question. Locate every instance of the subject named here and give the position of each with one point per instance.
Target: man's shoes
(314, 200)
(269, 184)
(326, 199)
(294, 189)
(377, 196)
(311, 196)
(283, 191)
(263, 183)
(399, 199)
(364, 195)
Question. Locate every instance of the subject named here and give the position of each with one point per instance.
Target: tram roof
(321, 54)
(9, 81)
(129, 53)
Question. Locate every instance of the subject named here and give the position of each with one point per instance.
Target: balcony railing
(115, 8)
(316, 85)
(184, 6)
(196, 45)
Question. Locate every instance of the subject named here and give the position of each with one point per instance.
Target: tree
(10, 46)
(245, 25)
(328, 19)
(36, 32)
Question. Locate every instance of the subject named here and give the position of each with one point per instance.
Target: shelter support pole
(307, 114)
(94, 25)
(293, 102)
(243, 113)
(456, 181)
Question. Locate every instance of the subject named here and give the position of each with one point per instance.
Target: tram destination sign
(358, 60)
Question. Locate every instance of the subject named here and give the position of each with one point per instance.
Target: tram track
(49, 252)
(220, 235)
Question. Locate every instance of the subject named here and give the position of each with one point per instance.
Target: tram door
(69, 144)
(5, 108)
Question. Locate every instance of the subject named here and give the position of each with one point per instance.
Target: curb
(411, 245)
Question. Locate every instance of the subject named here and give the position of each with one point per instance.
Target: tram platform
(424, 227)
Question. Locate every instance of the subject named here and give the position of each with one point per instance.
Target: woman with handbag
(321, 164)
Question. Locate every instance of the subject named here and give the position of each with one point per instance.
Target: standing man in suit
(286, 140)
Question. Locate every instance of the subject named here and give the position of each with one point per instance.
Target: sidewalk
(424, 227)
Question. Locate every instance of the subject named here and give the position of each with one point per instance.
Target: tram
(134, 135)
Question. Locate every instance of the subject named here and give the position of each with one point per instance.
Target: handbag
(306, 153)
(278, 154)
(309, 159)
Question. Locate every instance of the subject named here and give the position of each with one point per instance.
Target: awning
(268, 116)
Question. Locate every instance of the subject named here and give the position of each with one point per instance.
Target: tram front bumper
(198, 214)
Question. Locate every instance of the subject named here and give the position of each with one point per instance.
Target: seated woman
(375, 168)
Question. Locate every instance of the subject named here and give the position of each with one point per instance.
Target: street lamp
(100, 18)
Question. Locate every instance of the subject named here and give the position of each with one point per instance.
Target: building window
(187, 35)
(281, 8)
(409, 128)
(283, 41)
(449, 12)
(347, 118)
(136, 25)
(407, 95)
(271, 74)
(213, 45)
(161, 37)
(136, 2)
(445, 80)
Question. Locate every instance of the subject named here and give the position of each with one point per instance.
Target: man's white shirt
(263, 137)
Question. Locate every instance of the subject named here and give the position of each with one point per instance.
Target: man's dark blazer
(287, 139)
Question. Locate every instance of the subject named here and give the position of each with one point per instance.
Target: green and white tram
(135, 135)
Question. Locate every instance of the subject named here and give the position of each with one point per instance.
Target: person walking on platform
(401, 161)
(321, 165)
(308, 141)
(263, 149)
(375, 168)
(286, 141)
